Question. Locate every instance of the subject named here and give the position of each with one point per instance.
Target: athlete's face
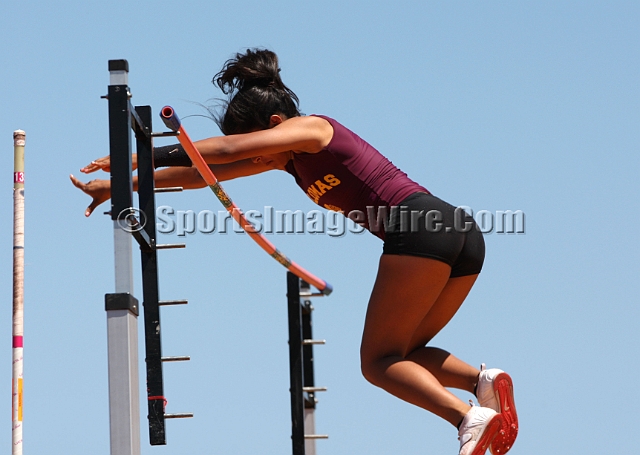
(276, 160)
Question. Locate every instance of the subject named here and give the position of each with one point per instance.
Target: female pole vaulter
(429, 261)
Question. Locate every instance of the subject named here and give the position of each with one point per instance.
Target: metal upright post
(303, 389)
(296, 373)
(122, 307)
(144, 231)
(153, 346)
(308, 371)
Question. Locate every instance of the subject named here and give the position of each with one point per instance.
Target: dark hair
(256, 92)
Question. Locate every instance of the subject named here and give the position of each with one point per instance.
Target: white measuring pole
(18, 288)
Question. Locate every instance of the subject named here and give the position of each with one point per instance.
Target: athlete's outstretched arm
(186, 177)
(230, 156)
(299, 134)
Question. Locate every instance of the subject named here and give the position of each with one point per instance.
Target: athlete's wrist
(170, 155)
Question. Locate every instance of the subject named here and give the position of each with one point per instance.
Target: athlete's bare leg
(412, 299)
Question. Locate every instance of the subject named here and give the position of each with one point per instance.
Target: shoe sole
(491, 431)
(503, 388)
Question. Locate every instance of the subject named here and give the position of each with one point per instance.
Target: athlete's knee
(373, 365)
(367, 364)
(369, 369)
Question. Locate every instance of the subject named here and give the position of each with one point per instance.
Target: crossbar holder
(310, 342)
(314, 389)
(312, 294)
(301, 367)
(179, 416)
(169, 189)
(172, 302)
(181, 358)
(170, 246)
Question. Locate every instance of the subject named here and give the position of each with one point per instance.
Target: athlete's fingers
(89, 168)
(103, 164)
(84, 187)
(92, 207)
(77, 183)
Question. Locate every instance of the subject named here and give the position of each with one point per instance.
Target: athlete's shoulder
(317, 128)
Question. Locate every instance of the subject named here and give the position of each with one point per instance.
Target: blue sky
(492, 105)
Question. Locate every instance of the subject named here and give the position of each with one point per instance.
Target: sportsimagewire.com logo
(334, 224)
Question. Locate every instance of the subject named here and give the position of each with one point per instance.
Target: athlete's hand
(104, 164)
(99, 190)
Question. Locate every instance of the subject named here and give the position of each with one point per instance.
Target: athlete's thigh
(444, 308)
(405, 290)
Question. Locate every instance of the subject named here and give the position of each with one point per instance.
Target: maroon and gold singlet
(350, 176)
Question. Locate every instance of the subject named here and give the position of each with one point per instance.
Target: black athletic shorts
(424, 225)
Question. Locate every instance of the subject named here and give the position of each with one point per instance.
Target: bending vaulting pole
(172, 121)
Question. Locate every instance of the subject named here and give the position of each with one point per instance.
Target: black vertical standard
(307, 350)
(153, 346)
(296, 368)
(120, 145)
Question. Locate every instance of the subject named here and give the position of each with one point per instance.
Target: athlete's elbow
(194, 180)
(215, 151)
(224, 156)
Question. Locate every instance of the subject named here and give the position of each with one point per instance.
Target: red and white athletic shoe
(495, 391)
(478, 429)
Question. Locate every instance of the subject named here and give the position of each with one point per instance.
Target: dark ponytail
(252, 81)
